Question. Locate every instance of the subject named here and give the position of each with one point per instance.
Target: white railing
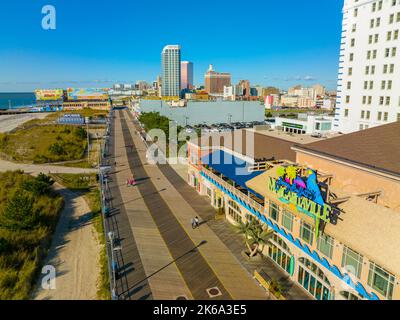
(245, 198)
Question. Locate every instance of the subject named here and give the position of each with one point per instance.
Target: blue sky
(96, 43)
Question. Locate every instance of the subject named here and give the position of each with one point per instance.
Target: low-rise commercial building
(204, 112)
(333, 205)
(306, 124)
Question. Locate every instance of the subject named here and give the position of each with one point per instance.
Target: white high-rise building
(369, 70)
(171, 71)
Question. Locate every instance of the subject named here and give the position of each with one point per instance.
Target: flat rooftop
(232, 168)
(295, 138)
(250, 143)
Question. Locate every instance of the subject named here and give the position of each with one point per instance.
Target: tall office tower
(186, 75)
(171, 71)
(215, 81)
(369, 70)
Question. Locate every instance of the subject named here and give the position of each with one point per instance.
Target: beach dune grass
(26, 228)
(45, 144)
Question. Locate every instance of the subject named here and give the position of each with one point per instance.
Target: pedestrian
(197, 221)
(127, 182)
(193, 223)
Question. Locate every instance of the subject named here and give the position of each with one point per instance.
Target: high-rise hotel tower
(171, 71)
(369, 70)
(186, 75)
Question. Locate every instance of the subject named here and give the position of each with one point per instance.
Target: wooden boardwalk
(163, 276)
(171, 205)
(131, 283)
(197, 273)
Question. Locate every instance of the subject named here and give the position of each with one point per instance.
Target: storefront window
(349, 295)
(234, 211)
(325, 245)
(352, 261)
(280, 253)
(287, 220)
(381, 280)
(274, 211)
(313, 279)
(306, 232)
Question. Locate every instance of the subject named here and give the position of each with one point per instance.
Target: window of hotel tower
(352, 261)
(274, 211)
(380, 280)
(306, 232)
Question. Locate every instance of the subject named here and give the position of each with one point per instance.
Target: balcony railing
(239, 194)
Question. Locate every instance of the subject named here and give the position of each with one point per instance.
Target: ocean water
(16, 99)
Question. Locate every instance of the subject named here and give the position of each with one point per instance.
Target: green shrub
(28, 215)
(80, 133)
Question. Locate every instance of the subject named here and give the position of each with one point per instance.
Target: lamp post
(111, 237)
(88, 141)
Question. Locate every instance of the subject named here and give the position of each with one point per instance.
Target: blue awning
(231, 167)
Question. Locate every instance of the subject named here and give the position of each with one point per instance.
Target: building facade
(205, 112)
(369, 70)
(215, 81)
(171, 71)
(186, 75)
(333, 209)
(309, 124)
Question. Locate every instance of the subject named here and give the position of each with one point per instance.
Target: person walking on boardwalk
(193, 223)
(197, 221)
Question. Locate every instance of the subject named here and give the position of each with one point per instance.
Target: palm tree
(281, 171)
(255, 235)
(291, 173)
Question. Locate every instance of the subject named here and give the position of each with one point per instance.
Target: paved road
(202, 260)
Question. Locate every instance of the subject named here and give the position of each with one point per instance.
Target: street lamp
(88, 140)
(111, 237)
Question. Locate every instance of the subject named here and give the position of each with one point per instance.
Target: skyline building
(171, 71)
(216, 81)
(369, 70)
(186, 75)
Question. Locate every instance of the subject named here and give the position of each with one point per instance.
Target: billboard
(49, 95)
(76, 94)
